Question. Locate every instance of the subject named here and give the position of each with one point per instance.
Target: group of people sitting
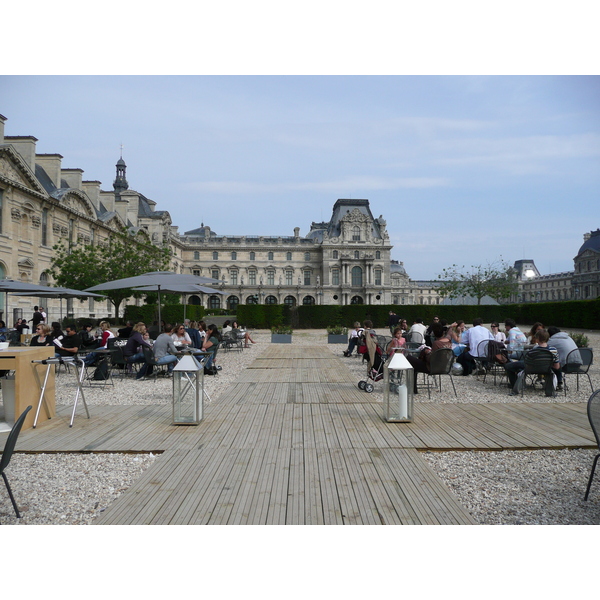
(506, 347)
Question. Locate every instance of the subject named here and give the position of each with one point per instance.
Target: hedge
(580, 314)
(170, 313)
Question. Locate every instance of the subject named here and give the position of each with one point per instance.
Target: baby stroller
(376, 357)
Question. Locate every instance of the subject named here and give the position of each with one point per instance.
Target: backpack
(101, 372)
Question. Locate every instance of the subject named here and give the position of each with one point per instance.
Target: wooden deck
(294, 441)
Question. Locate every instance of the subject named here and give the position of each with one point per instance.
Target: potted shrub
(281, 334)
(337, 334)
(581, 340)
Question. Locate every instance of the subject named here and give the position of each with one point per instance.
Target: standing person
(37, 318)
(43, 313)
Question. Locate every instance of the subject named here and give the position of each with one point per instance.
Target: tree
(497, 280)
(123, 255)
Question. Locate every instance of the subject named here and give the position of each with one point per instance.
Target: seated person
(180, 336)
(456, 332)
(3, 331)
(42, 336)
(515, 367)
(211, 345)
(397, 341)
(132, 351)
(87, 339)
(91, 358)
(22, 327)
(420, 364)
(499, 336)
(242, 334)
(515, 339)
(564, 343)
(192, 331)
(417, 331)
(164, 350)
(70, 343)
(472, 338)
(126, 331)
(354, 339)
(534, 329)
(56, 332)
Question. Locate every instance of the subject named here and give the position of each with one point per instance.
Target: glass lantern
(188, 392)
(398, 386)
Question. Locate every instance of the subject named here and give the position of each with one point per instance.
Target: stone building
(345, 260)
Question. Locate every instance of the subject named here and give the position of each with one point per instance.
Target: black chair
(152, 364)
(7, 453)
(539, 361)
(593, 411)
(440, 363)
(578, 363)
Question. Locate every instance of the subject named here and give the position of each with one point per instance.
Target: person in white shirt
(418, 328)
(473, 337)
(499, 336)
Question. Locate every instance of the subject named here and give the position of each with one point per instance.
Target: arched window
(357, 276)
(194, 300)
(232, 302)
(44, 279)
(289, 301)
(252, 256)
(356, 233)
(270, 256)
(252, 299)
(288, 256)
(215, 255)
(270, 300)
(214, 302)
(356, 300)
(308, 300)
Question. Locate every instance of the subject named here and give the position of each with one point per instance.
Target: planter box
(340, 338)
(281, 338)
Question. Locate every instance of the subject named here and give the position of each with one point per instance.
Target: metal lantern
(188, 392)
(398, 395)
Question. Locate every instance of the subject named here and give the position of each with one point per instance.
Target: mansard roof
(344, 208)
(592, 243)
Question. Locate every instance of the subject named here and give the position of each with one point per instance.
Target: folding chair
(593, 411)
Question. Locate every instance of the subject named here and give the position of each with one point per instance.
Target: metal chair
(593, 411)
(440, 363)
(417, 338)
(231, 341)
(488, 361)
(578, 363)
(151, 362)
(7, 453)
(538, 361)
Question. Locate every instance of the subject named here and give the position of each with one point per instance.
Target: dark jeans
(515, 367)
(419, 366)
(351, 345)
(145, 369)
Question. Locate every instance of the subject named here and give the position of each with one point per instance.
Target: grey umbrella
(161, 279)
(60, 292)
(10, 286)
(184, 289)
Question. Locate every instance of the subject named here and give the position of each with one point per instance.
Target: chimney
(296, 231)
(72, 177)
(25, 146)
(92, 190)
(51, 164)
(2, 121)
(586, 236)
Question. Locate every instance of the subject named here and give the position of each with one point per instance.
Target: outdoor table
(25, 361)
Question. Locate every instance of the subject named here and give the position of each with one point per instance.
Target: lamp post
(398, 386)
(188, 392)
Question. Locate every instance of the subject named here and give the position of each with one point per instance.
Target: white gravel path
(508, 487)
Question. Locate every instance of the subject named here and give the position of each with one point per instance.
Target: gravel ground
(508, 487)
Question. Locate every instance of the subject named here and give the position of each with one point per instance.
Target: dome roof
(202, 231)
(592, 243)
(397, 267)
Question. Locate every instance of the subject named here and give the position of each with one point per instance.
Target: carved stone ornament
(55, 228)
(36, 221)
(64, 231)
(15, 213)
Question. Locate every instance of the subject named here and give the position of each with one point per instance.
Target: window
(335, 255)
(307, 256)
(289, 301)
(306, 277)
(356, 276)
(271, 278)
(335, 277)
(1, 207)
(308, 300)
(288, 256)
(378, 255)
(289, 277)
(356, 233)
(215, 273)
(252, 277)
(44, 279)
(214, 302)
(44, 224)
(252, 300)
(233, 276)
(377, 276)
(196, 272)
(270, 300)
(270, 256)
(215, 255)
(252, 255)
(232, 302)
(196, 255)
(234, 256)
(356, 254)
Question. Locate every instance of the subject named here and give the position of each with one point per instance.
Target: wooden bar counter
(27, 388)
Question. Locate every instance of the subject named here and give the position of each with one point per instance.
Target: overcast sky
(465, 169)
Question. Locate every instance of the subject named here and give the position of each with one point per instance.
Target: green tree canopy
(497, 280)
(124, 255)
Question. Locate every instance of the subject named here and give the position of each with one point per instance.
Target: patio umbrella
(60, 292)
(10, 286)
(161, 279)
(183, 289)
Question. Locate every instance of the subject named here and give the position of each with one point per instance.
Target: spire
(120, 184)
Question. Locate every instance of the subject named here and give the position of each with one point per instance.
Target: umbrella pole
(184, 305)
(159, 319)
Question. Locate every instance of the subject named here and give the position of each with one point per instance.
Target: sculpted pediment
(13, 169)
(355, 216)
(79, 204)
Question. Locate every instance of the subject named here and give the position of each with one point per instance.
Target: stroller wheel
(369, 388)
(361, 385)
